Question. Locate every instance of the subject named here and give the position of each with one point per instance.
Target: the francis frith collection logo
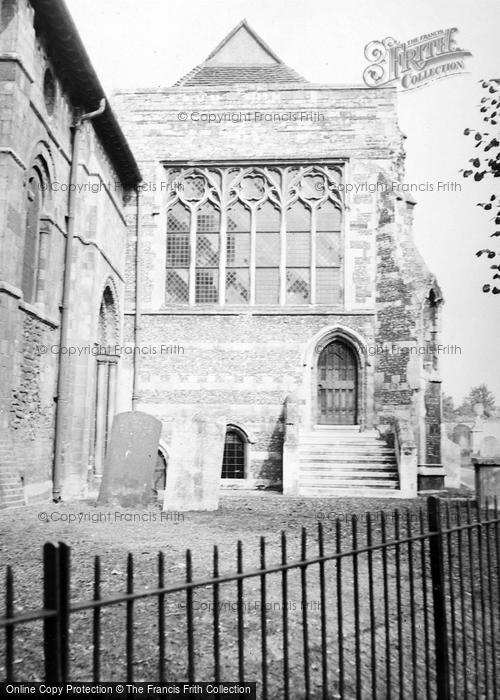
(414, 63)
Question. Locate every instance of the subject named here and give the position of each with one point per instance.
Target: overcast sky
(155, 42)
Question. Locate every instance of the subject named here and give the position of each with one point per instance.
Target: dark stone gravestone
(129, 466)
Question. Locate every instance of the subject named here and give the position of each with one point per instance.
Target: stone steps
(360, 457)
(349, 490)
(350, 484)
(342, 459)
(339, 468)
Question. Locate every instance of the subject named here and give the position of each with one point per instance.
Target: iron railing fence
(400, 605)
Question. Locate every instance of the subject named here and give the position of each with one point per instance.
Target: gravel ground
(112, 533)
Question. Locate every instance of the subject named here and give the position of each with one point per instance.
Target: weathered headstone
(489, 447)
(195, 463)
(462, 436)
(451, 458)
(129, 466)
(487, 470)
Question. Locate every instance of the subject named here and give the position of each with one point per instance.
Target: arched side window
(37, 199)
(160, 473)
(32, 234)
(233, 462)
(107, 330)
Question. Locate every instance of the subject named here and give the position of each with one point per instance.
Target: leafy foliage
(478, 394)
(487, 163)
(481, 394)
(449, 411)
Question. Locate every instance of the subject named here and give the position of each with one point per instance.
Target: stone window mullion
(282, 273)
(192, 259)
(312, 298)
(222, 251)
(253, 239)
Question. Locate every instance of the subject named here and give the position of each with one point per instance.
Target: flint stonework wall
(243, 363)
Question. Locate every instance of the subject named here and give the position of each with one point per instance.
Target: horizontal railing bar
(229, 578)
(31, 616)
(278, 568)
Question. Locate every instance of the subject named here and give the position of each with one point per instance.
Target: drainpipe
(137, 318)
(63, 396)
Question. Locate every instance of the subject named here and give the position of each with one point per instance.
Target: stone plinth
(129, 466)
(195, 463)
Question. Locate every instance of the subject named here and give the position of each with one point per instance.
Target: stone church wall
(244, 364)
(31, 127)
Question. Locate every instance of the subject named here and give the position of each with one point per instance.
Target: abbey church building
(275, 248)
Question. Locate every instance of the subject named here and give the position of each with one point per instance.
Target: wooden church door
(337, 385)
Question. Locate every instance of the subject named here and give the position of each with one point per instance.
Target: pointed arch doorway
(337, 385)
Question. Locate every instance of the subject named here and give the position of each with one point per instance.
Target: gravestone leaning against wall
(128, 477)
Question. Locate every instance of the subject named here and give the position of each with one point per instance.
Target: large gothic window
(249, 236)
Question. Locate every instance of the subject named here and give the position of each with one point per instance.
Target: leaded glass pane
(268, 218)
(238, 250)
(177, 287)
(328, 218)
(178, 250)
(253, 187)
(267, 285)
(298, 218)
(207, 250)
(267, 249)
(233, 461)
(238, 218)
(298, 248)
(327, 249)
(298, 286)
(208, 219)
(194, 188)
(313, 186)
(178, 256)
(178, 219)
(328, 285)
(207, 286)
(237, 286)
